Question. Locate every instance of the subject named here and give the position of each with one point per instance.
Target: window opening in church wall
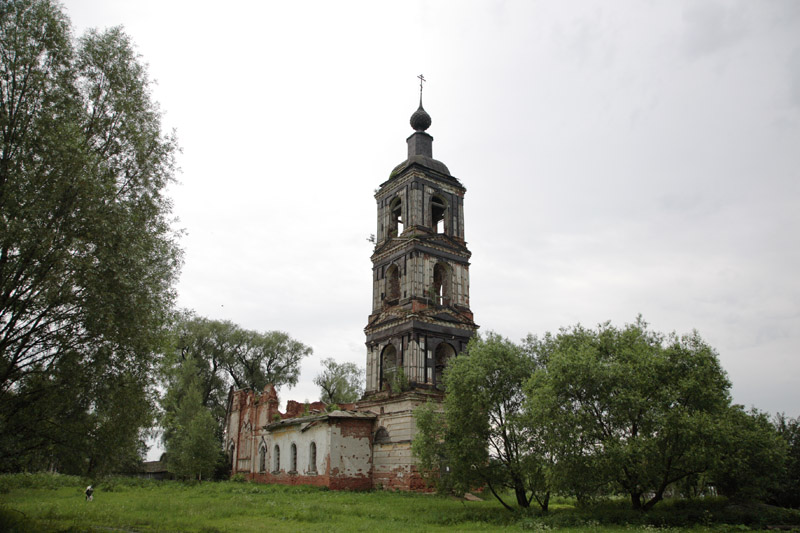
(312, 457)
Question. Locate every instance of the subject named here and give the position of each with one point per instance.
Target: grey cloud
(793, 68)
(710, 27)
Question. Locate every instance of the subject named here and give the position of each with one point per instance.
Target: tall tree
(258, 359)
(754, 462)
(209, 343)
(630, 406)
(339, 382)
(189, 437)
(788, 493)
(87, 255)
(221, 355)
(485, 439)
(429, 447)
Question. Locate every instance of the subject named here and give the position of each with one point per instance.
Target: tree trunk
(636, 500)
(654, 500)
(544, 501)
(520, 492)
(491, 488)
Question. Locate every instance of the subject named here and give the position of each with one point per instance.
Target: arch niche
(442, 354)
(262, 457)
(389, 366)
(392, 285)
(441, 284)
(395, 217)
(438, 210)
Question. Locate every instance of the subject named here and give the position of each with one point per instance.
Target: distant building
(154, 470)
(420, 318)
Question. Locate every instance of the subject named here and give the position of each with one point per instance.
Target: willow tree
(203, 361)
(87, 255)
(629, 409)
(480, 437)
(339, 382)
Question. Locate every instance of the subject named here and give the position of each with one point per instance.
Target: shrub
(39, 480)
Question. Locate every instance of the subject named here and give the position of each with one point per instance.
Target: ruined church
(420, 318)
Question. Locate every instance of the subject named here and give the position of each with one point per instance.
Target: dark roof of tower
(420, 146)
(427, 162)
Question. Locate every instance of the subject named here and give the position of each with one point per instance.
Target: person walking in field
(89, 491)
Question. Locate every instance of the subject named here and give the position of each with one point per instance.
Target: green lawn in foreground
(56, 503)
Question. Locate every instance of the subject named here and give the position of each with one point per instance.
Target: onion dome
(420, 120)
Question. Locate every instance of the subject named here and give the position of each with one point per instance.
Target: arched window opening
(395, 217)
(293, 458)
(232, 457)
(312, 457)
(262, 458)
(392, 285)
(443, 354)
(441, 285)
(438, 208)
(381, 435)
(388, 367)
(277, 460)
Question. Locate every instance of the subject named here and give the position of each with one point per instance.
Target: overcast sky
(619, 158)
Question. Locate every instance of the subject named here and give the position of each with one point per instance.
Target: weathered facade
(420, 318)
(312, 447)
(420, 300)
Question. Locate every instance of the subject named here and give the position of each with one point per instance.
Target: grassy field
(55, 503)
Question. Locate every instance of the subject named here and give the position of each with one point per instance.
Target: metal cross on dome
(421, 79)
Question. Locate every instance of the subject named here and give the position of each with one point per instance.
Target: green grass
(43, 502)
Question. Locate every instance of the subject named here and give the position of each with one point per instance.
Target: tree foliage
(485, 438)
(339, 382)
(752, 466)
(787, 493)
(227, 355)
(629, 406)
(207, 343)
(87, 256)
(593, 412)
(430, 447)
(190, 438)
(206, 359)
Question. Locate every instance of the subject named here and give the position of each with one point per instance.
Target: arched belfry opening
(389, 367)
(392, 285)
(441, 284)
(443, 354)
(438, 210)
(396, 217)
(420, 301)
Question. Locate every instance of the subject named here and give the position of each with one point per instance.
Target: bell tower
(420, 273)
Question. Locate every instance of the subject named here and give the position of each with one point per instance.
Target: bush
(39, 480)
(15, 521)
